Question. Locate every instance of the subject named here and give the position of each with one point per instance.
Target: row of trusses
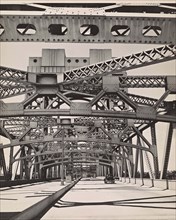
(88, 110)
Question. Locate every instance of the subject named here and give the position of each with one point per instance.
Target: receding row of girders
(77, 82)
(43, 146)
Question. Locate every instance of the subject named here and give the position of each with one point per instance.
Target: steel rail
(37, 210)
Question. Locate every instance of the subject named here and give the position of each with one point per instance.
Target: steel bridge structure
(87, 114)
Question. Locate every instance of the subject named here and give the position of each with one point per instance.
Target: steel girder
(109, 28)
(34, 105)
(117, 65)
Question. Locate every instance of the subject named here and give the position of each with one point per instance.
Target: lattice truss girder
(16, 82)
(118, 65)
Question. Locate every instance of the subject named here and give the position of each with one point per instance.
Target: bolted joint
(48, 138)
(11, 109)
(98, 124)
(115, 140)
(130, 122)
(79, 108)
(111, 83)
(146, 112)
(153, 150)
(33, 124)
(14, 142)
(171, 84)
(171, 107)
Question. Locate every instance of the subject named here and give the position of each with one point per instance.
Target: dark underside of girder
(109, 7)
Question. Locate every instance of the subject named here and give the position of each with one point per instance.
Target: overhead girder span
(113, 141)
(58, 154)
(75, 159)
(142, 113)
(89, 87)
(14, 122)
(93, 85)
(98, 28)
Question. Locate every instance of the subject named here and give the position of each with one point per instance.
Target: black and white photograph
(87, 110)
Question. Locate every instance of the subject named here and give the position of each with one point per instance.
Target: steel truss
(16, 82)
(102, 128)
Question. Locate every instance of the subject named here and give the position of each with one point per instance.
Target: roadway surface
(93, 200)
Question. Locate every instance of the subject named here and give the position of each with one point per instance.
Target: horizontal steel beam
(83, 87)
(113, 28)
(113, 141)
(94, 113)
(59, 151)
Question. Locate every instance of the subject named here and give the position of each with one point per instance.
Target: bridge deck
(94, 200)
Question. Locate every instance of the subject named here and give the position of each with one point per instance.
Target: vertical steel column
(3, 164)
(22, 163)
(124, 164)
(105, 170)
(141, 161)
(136, 160)
(128, 168)
(10, 162)
(97, 168)
(32, 172)
(151, 174)
(62, 163)
(141, 166)
(149, 165)
(101, 170)
(155, 151)
(104, 173)
(131, 159)
(16, 165)
(59, 172)
(72, 166)
(41, 172)
(27, 167)
(50, 172)
(120, 168)
(166, 155)
(111, 170)
(125, 168)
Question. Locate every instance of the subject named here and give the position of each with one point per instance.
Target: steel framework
(90, 113)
